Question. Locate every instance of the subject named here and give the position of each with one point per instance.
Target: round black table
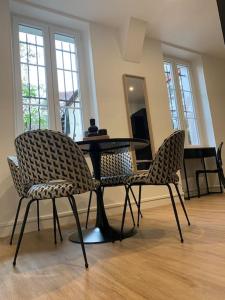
(103, 232)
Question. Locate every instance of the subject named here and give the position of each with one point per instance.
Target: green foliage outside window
(34, 117)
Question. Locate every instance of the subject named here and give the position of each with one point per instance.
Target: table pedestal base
(97, 235)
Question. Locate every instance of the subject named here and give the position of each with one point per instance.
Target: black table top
(114, 144)
(199, 152)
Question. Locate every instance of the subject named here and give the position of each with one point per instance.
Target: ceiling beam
(132, 39)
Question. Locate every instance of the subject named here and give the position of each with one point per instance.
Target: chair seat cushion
(146, 178)
(56, 189)
(114, 180)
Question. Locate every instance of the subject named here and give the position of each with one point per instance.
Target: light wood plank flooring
(153, 264)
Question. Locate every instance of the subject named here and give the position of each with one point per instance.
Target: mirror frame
(147, 112)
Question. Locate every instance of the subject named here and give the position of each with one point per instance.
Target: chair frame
(173, 205)
(45, 156)
(14, 169)
(161, 165)
(75, 213)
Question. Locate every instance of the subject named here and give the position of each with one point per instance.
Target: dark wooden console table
(198, 153)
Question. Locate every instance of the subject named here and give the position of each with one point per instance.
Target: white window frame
(51, 77)
(174, 62)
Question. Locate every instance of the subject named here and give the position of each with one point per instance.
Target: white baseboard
(67, 218)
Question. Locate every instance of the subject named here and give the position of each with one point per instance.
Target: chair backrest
(46, 155)
(16, 175)
(113, 164)
(219, 156)
(168, 159)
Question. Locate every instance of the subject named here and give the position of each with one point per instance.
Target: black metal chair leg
(54, 219)
(139, 205)
(131, 210)
(74, 208)
(58, 224)
(124, 213)
(182, 203)
(135, 200)
(221, 189)
(175, 212)
(15, 221)
(88, 210)
(38, 215)
(197, 183)
(22, 230)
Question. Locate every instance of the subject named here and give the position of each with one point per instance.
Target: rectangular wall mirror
(138, 116)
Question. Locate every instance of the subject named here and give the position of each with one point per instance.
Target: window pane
(23, 53)
(75, 81)
(31, 38)
(25, 80)
(68, 86)
(184, 78)
(74, 62)
(61, 85)
(40, 56)
(42, 83)
(187, 102)
(33, 79)
(66, 60)
(172, 95)
(59, 59)
(39, 40)
(22, 37)
(32, 57)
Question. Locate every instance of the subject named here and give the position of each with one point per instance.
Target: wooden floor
(153, 264)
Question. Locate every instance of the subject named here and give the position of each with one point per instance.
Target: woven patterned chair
(52, 166)
(167, 162)
(115, 168)
(22, 192)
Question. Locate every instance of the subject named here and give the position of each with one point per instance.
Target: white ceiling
(192, 24)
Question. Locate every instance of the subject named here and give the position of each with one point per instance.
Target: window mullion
(179, 99)
(50, 82)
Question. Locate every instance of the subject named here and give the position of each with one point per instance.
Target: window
(48, 85)
(33, 79)
(181, 100)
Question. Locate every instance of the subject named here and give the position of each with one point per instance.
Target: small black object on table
(103, 232)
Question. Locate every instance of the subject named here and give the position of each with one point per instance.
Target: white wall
(203, 108)
(7, 194)
(214, 72)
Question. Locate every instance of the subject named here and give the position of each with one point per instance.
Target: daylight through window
(181, 100)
